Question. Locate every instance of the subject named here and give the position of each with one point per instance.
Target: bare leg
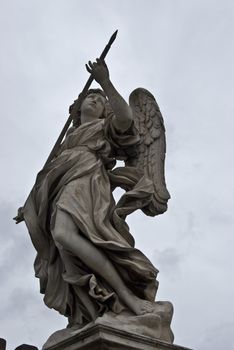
(65, 234)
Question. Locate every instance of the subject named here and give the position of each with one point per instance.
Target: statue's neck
(87, 117)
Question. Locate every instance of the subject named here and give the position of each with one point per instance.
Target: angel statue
(87, 264)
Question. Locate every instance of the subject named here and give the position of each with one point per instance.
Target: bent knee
(58, 237)
(63, 226)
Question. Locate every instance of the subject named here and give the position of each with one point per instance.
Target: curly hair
(106, 111)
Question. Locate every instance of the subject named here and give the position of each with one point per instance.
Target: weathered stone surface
(86, 260)
(155, 325)
(103, 337)
(89, 268)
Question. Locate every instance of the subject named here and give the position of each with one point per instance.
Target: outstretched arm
(123, 114)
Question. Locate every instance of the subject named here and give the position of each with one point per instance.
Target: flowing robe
(78, 182)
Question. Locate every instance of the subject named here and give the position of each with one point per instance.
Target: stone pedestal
(102, 337)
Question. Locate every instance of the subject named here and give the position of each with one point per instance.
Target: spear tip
(113, 37)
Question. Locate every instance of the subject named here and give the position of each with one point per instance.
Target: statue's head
(94, 104)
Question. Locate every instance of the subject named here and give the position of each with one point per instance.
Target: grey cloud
(168, 261)
(220, 337)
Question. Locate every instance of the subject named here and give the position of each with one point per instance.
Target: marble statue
(86, 260)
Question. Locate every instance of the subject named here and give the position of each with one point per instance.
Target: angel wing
(150, 155)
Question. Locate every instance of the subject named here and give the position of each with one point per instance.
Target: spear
(73, 113)
(78, 103)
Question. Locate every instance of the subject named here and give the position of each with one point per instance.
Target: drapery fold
(79, 181)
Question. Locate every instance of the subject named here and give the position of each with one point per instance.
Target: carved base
(102, 337)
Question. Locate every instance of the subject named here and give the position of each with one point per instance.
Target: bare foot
(139, 306)
(143, 307)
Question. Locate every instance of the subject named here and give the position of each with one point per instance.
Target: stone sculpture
(86, 261)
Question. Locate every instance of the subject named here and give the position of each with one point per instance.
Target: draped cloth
(79, 182)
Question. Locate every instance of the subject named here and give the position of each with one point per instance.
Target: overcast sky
(183, 52)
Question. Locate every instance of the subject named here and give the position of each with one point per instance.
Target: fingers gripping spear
(78, 102)
(73, 113)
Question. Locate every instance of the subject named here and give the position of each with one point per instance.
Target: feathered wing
(151, 149)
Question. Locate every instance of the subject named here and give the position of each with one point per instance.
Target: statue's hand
(98, 70)
(20, 216)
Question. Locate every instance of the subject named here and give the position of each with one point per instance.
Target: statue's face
(93, 105)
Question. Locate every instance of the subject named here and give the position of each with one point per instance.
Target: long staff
(73, 113)
(78, 103)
